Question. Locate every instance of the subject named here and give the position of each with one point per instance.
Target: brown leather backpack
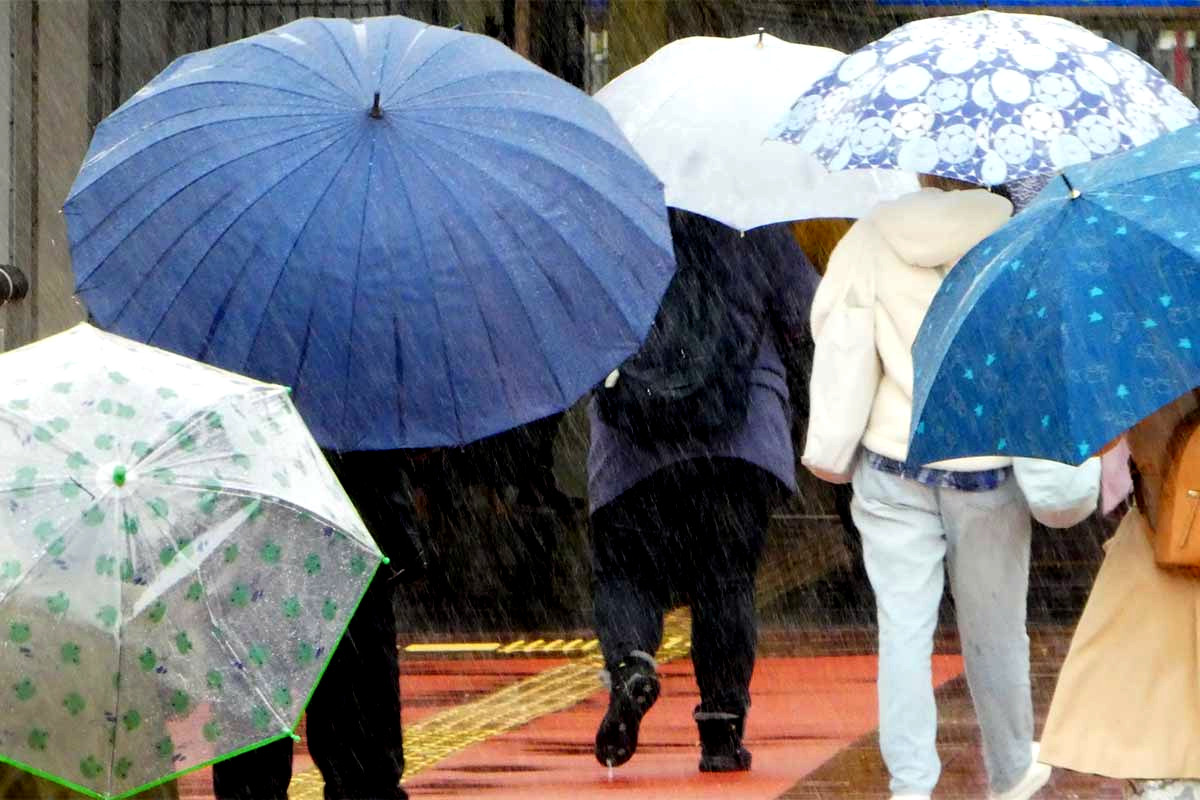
(1177, 529)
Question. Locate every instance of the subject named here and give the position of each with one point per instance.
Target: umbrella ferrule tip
(376, 110)
(120, 473)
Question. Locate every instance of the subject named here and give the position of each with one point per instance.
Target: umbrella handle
(1075, 193)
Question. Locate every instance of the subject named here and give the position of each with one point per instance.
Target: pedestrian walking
(968, 517)
(680, 499)
(1127, 703)
(353, 718)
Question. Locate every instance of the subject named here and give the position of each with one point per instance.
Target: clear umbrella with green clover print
(177, 563)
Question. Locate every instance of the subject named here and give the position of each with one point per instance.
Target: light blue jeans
(913, 535)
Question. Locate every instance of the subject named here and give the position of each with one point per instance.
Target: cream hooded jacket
(881, 279)
(867, 310)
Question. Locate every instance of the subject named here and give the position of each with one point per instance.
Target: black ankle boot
(633, 688)
(721, 741)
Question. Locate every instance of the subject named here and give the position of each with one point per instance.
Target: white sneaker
(1034, 779)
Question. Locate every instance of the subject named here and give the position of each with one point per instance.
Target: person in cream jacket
(967, 518)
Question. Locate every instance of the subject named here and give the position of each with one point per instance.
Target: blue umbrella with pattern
(1075, 320)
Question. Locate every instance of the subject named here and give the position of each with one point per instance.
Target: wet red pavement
(806, 711)
(812, 731)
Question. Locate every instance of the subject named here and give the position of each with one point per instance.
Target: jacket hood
(934, 228)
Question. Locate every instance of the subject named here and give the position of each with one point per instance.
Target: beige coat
(1127, 703)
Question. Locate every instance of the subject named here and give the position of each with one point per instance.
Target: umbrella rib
(101, 261)
(117, 628)
(411, 44)
(518, 199)
(1014, 247)
(33, 566)
(500, 372)
(362, 235)
(120, 113)
(474, 133)
(387, 52)
(222, 641)
(412, 215)
(75, 192)
(475, 76)
(598, 164)
(548, 100)
(448, 43)
(54, 440)
(295, 242)
(1131, 221)
(466, 216)
(327, 30)
(945, 342)
(308, 67)
(251, 206)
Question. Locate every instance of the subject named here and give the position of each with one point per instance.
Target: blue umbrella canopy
(1074, 321)
(429, 238)
(987, 97)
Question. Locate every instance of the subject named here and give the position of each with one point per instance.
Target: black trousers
(353, 719)
(692, 532)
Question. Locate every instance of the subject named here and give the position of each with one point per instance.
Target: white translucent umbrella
(177, 562)
(698, 112)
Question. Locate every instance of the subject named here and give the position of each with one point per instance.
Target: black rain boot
(721, 741)
(633, 688)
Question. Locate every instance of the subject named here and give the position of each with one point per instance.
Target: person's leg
(726, 528)
(903, 550)
(987, 555)
(630, 593)
(628, 600)
(353, 723)
(726, 525)
(260, 774)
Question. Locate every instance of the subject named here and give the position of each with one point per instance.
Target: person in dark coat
(688, 522)
(353, 718)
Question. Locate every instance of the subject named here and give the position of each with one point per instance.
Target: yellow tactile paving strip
(433, 739)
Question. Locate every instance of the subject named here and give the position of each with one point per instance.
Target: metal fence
(197, 25)
(114, 35)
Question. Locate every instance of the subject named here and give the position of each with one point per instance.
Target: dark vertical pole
(508, 26)
(23, 188)
(34, 289)
(97, 10)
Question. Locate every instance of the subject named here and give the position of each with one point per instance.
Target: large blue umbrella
(429, 238)
(987, 97)
(1075, 320)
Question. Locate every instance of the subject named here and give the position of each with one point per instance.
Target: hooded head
(935, 226)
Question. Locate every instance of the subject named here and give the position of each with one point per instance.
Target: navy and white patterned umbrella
(986, 97)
